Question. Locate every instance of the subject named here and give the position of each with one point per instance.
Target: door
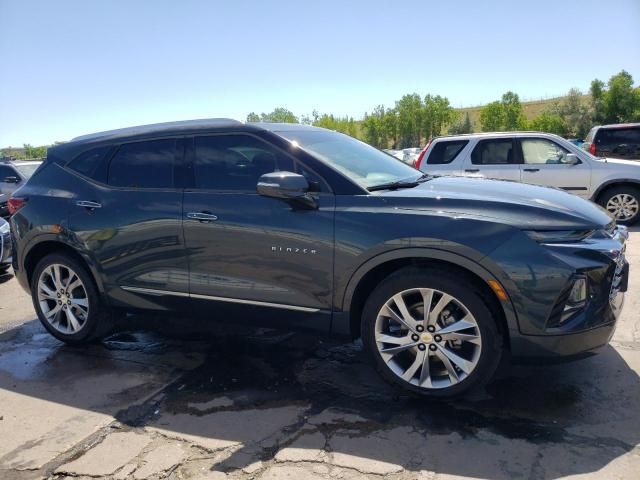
(545, 163)
(246, 249)
(494, 158)
(127, 214)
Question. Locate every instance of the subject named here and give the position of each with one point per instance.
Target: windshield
(362, 163)
(27, 169)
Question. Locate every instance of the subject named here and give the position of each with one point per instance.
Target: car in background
(621, 141)
(4, 205)
(578, 142)
(298, 226)
(540, 159)
(5, 246)
(15, 173)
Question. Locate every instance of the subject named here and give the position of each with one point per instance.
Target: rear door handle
(202, 216)
(88, 204)
(531, 169)
(472, 170)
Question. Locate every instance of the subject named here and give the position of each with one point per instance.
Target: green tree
(576, 113)
(410, 116)
(620, 99)
(374, 126)
(279, 115)
(460, 127)
(514, 118)
(550, 123)
(390, 127)
(597, 101)
(492, 117)
(34, 152)
(437, 113)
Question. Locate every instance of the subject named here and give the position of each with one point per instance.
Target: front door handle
(202, 216)
(88, 204)
(472, 170)
(531, 169)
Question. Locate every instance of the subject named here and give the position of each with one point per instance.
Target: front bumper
(555, 328)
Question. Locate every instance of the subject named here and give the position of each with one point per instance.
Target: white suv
(541, 159)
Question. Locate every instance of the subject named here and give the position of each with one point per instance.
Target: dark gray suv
(300, 227)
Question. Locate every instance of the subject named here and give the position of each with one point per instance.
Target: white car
(541, 159)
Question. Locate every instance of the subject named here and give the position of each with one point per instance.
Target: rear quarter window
(91, 164)
(446, 152)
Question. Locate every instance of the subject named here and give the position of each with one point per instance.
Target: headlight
(4, 228)
(558, 236)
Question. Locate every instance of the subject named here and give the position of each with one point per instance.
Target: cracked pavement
(180, 399)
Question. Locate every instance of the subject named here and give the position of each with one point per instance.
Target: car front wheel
(623, 203)
(430, 331)
(67, 301)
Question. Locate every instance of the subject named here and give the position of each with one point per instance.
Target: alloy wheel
(428, 338)
(63, 299)
(623, 206)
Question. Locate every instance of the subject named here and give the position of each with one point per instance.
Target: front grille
(618, 275)
(5, 246)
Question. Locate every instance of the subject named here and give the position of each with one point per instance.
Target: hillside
(531, 109)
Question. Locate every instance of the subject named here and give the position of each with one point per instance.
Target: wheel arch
(621, 182)
(368, 275)
(47, 246)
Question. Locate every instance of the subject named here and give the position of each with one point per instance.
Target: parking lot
(180, 399)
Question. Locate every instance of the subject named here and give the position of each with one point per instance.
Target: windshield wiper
(400, 183)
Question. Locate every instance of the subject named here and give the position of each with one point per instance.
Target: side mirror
(292, 187)
(572, 159)
(11, 180)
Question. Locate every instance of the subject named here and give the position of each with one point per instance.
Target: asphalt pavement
(178, 398)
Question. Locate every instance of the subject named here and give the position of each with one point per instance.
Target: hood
(618, 161)
(517, 204)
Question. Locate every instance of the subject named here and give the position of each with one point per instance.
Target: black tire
(608, 194)
(465, 290)
(99, 321)
(4, 269)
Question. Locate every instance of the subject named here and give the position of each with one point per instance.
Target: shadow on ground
(261, 391)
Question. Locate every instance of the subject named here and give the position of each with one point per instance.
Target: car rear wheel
(623, 203)
(67, 301)
(431, 332)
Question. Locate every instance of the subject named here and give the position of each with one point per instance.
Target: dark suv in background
(614, 141)
(291, 225)
(13, 174)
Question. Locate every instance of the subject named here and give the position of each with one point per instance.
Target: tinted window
(445, 152)
(144, 165)
(493, 152)
(6, 172)
(90, 163)
(542, 151)
(235, 162)
(617, 136)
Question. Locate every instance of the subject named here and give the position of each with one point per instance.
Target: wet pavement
(179, 399)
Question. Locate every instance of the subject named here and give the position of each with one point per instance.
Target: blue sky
(72, 67)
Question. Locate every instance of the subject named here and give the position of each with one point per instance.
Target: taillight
(592, 148)
(421, 156)
(15, 204)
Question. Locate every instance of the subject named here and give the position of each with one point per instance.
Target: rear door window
(446, 151)
(149, 164)
(498, 151)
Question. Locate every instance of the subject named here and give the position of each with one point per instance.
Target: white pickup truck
(541, 159)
